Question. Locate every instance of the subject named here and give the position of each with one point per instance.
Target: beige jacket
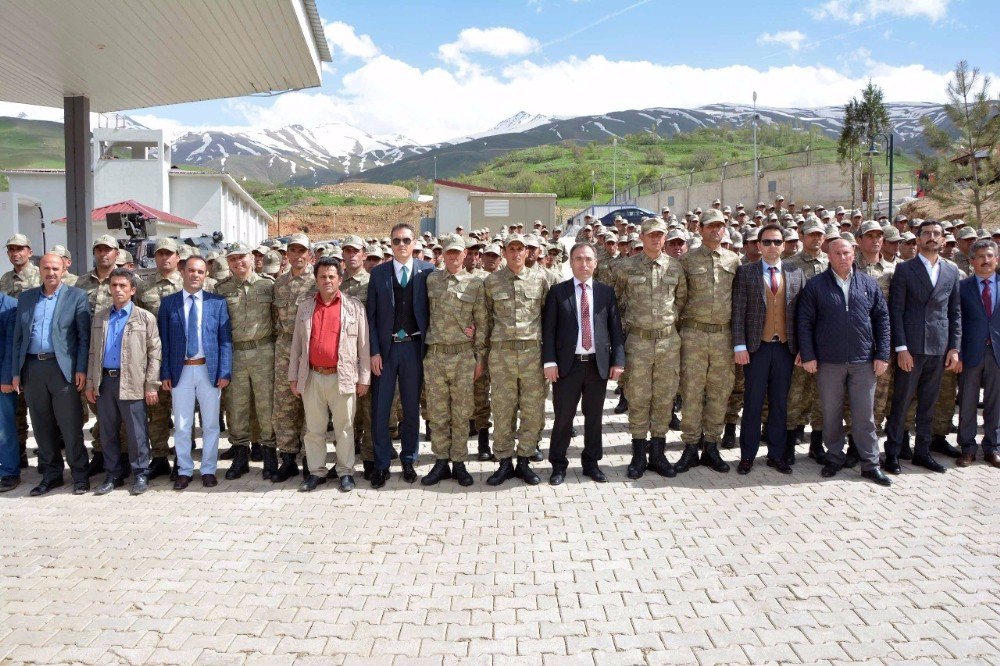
(353, 356)
(141, 354)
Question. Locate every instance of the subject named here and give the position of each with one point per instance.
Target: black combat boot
(270, 470)
(688, 459)
(241, 463)
(460, 474)
(637, 466)
(675, 423)
(504, 471)
(367, 467)
(256, 452)
(800, 434)
(537, 456)
(96, 464)
(657, 460)
(622, 405)
(158, 467)
(790, 447)
(441, 470)
(729, 436)
(524, 471)
(228, 454)
(484, 445)
(816, 450)
(472, 428)
(711, 458)
(287, 470)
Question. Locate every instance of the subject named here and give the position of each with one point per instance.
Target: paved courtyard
(704, 568)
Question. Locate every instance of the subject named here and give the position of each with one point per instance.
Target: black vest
(402, 317)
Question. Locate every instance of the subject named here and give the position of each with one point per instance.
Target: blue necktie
(192, 332)
(404, 278)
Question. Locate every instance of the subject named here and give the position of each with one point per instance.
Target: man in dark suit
(397, 324)
(765, 295)
(49, 362)
(925, 313)
(980, 357)
(197, 346)
(582, 347)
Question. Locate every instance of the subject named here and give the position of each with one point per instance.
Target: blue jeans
(10, 456)
(195, 385)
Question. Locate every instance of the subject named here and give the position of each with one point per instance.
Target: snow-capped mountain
(522, 121)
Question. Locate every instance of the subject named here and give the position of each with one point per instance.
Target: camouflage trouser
(288, 418)
(706, 382)
(363, 426)
(653, 369)
(481, 400)
(448, 380)
(395, 414)
(736, 397)
(158, 424)
(250, 392)
(944, 408)
(517, 376)
(803, 401)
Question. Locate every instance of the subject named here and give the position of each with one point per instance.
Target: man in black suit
(765, 295)
(925, 314)
(582, 347)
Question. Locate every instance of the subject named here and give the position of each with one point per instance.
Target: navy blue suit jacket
(70, 330)
(925, 319)
(216, 336)
(381, 304)
(560, 328)
(8, 312)
(976, 328)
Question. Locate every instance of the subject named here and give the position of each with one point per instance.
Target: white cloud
(859, 11)
(498, 42)
(792, 39)
(344, 41)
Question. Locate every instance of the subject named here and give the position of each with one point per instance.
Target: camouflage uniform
(707, 343)
(357, 286)
(151, 294)
(252, 386)
(455, 302)
(481, 387)
(650, 294)
(514, 352)
(98, 297)
(882, 271)
(13, 284)
(288, 416)
(803, 398)
(944, 407)
(735, 402)
(605, 268)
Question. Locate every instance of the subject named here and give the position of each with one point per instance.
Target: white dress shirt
(579, 320)
(398, 268)
(198, 301)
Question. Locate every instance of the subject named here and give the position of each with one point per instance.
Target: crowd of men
(774, 319)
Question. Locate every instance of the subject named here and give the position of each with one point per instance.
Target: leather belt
(584, 358)
(323, 371)
(644, 334)
(110, 372)
(706, 328)
(518, 345)
(253, 344)
(42, 357)
(457, 348)
(194, 361)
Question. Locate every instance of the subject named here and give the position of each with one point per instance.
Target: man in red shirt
(329, 366)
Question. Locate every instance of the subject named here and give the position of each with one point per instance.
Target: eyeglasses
(402, 241)
(771, 242)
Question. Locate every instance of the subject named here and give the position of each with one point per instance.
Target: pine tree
(863, 120)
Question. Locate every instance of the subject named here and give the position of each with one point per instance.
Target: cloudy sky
(439, 70)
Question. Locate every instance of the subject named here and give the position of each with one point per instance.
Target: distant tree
(967, 169)
(863, 119)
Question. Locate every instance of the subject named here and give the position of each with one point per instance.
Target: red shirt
(324, 340)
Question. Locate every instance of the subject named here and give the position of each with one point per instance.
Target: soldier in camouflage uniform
(288, 416)
(24, 275)
(479, 424)
(803, 398)
(706, 344)
(250, 299)
(455, 345)
(167, 280)
(870, 262)
(651, 290)
(534, 248)
(355, 283)
(943, 423)
(515, 296)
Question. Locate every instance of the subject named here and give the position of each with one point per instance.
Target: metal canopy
(132, 54)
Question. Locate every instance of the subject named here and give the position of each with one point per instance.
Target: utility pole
(614, 170)
(756, 162)
(435, 167)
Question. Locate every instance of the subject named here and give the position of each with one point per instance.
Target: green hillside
(29, 144)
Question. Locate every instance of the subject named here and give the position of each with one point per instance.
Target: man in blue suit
(10, 464)
(49, 363)
(197, 364)
(397, 324)
(980, 356)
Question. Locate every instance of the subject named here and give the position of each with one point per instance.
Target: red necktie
(587, 337)
(774, 281)
(987, 299)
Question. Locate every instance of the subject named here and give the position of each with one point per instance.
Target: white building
(473, 207)
(133, 164)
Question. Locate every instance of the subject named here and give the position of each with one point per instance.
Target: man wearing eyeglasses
(397, 321)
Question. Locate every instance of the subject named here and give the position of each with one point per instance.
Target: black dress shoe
(312, 483)
(209, 480)
(182, 482)
(829, 470)
(595, 473)
(44, 487)
(928, 463)
(346, 483)
(877, 476)
(96, 465)
(8, 483)
(140, 485)
(891, 465)
(440, 471)
(379, 477)
(537, 456)
(81, 487)
(939, 444)
(460, 474)
(558, 477)
(409, 474)
(745, 466)
(108, 485)
(572, 433)
(780, 465)
(504, 472)
(393, 453)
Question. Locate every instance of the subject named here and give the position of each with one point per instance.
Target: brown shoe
(992, 459)
(966, 459)
(182, 482)
(209, 480)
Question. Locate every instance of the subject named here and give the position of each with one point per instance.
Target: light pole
(593, 187)
(435, 167)
(614, 170)
(756, 164)
(888, 137)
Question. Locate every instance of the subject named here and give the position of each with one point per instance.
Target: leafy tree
(863, 120)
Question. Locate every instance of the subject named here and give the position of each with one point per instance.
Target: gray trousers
(986, 376)
(112, 412)
(56, 412)
(857, 382)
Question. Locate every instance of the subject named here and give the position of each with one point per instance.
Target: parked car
(632, 214)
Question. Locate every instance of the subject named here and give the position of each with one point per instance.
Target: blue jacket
(216, 336)
(381, 304)
(832, 331)
(70, 330)
(976, 328)
(8, 312)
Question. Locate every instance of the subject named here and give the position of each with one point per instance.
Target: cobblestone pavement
(705, 568)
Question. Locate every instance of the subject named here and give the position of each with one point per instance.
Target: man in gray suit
(49, 363)
(925, 313)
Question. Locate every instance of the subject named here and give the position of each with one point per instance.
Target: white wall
(48, 188)
(199, 199)
(452, 209)
(120, 180)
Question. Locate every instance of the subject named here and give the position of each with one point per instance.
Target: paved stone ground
(704, 568)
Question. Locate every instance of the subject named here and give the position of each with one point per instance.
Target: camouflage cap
(351, 241)
(334, 251)
(473, 243)
(262, 250)
(515, 238)
(124, 257)
(948, 238)
(272, 243)
(891, 234)
(726, 240)
(452, 242)
(531, 240)
(826, 215)
(849, 237)
(185, 252)
(651, 224)
(958, 223)
(373, 251)
(493, 248)
(272, 262)
(165, 244)
(238, 249)
(18, 240)
(107, 240)
(839, 210)
(753, 233)
(60, 250)
(870, 225)
(965, 233)
(856, 213)
(832, 230)
(790, 235)
(674, 234)
(813, 226)
(298, 239)
(907, 236)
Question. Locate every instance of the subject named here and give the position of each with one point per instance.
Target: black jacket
(832, 331)
(560, 328)
(926, 319)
